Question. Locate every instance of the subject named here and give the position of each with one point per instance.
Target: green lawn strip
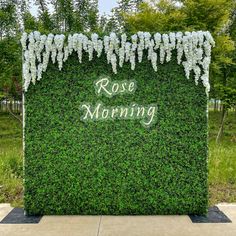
(11, 184)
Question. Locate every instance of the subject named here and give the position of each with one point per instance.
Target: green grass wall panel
(115, 167)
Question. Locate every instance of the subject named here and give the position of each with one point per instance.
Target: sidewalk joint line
(99, 225)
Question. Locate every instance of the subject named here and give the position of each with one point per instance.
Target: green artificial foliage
(115, 167)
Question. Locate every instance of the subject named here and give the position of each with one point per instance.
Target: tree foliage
(8, 21)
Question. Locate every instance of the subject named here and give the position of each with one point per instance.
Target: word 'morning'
(146, 114)
(104, 86)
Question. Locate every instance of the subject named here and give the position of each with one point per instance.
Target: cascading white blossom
(113, 62)
(154, 61)
(94, 38)
(100, 48)
(179, 46)
(127, 51)
(192, 49)
(140, 46)
(37, 38)
(165, 38)
(112, 47)
(122, 50)
(26, 70)
(79, 46)
(147, 38)
(66, 53)
(48, 50)
(23, 40)
(32, 58)
(43, 39)
(106, 41)
(59, 43)
(70, 44)
(90, 49)
(157, 38)
(54, 53)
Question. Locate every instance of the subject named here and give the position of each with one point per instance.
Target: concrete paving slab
(143, 225)
(80, 226)
(229, 210)
(5, 208)
(51, 225)
(120, 225)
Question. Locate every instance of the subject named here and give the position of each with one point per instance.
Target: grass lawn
(11, 184)
(222, 160)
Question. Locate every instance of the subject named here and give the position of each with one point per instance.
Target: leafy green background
(115, 167)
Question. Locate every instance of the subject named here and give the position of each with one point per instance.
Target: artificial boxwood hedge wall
(115, 167)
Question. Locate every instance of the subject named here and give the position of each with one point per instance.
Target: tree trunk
(221, 129)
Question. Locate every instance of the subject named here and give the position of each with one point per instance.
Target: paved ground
(120, 225)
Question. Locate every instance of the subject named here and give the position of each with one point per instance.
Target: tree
(124, 6)
(45, 20)
(74, 15)
(8, 22)
(216, 16)
(9, 48)
(10, 70)
(10, 53)
(86, 12)
(225, 82)
(64, 17)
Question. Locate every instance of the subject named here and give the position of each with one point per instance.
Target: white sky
(104, 6)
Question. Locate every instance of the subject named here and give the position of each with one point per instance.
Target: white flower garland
(193, 50)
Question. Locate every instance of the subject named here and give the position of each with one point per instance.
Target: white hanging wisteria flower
(157, 38)
(94, 38)
(166, 46)
(39, 71)
(100, 48)
(59, 43)
(37, 38)
(162, 53)
(48, 49)
(150, 49)
(134, 39)
(154, 60)
(140, 46)
(113, 62)
(66, 53)
(193, 51)
(90, 49)
(121, 56)
(54, 53)
(133, 48)
(106, 41)
(127, 51)
(32, 58)
(147, 37)
(70, 44)
(179, 46)
(26, 70)
(23, 40)
(114, 42)
(78, 46)
(132, 60)
(41, 46)
(123, 40)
